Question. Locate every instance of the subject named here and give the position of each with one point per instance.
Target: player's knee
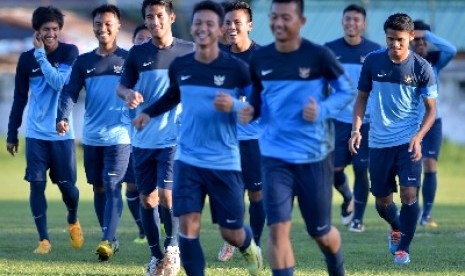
(38, 186)
(98, 189)
(131, 187)
(149, 201)
(383, 202)
(255, 196)
(233, 237)
(279, 231)
(430, 165)
(338, 169)
(408, 195)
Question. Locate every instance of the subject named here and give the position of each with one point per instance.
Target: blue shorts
(312, 183)
(130, 176)
(432, 141)
(386, 164)
(342, 155)
(105, 164)
(250, 163)
(58, 156)
(154, 168)
(224, 188)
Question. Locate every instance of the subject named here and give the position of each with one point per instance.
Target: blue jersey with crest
(351, 57)
(396, 91)
(43, 76)
(208, 138)
(282, 85)
(106, 120)
(252, 130)
(146, 70)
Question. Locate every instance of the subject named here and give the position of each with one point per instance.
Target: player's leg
(93, 166)
(132, 199)
(383, 185)
(37, 158)
(145, 166)
(409, 173)
(430, 148)
(225, 190)
(342, 158)
(63, 173)
(188, 200)
(360, 163)
(278, 198)
(314, 191)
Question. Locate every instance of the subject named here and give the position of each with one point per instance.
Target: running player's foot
(172, 261)
(347, 211)
(155, 267)
(428, 222)
(142, 239)
(76, 238)
(226, 252)
(44, 247)
(253, 258)
(356, 226)
(401, 258)
(105, 250)
(393, 241)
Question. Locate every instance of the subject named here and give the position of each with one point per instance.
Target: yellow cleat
(76, 237)
(104, 251)
(44, 247)
(140, 240)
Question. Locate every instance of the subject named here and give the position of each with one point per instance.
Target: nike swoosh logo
(90, 70)
(320, 228)
(257, 183)
(185, 77)
(35, 70)
(266, 72)
(231, 220)
(146, 63)
(411, 178)
(381, 75)
(338, 57)
(112, 174)
(167, 181)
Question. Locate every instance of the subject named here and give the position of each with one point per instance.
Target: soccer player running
(395, 81)
(238, 24)
(289, 80)
(144, 81)
(351, 50)
(207, 84)
(105, 139)
(141, 35)
(43, 71)
(431, 145)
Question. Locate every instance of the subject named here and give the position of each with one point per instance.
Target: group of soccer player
(179, 121)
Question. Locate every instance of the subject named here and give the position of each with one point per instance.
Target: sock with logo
(171, 227)
(152, 231)
(132, 198)
(257, 219)
(408, 224)
(113, 210)
(430, 183)
(361, 190)
(390, 215)
(70, 195)
(38, 205)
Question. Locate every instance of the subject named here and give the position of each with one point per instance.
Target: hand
(223, 102)
(62, 127)
(141, 121)
(311, 110)
(133, 99)
(245, 114)
(414, 148)
(12, 148)
(354, 141)
(37, 41)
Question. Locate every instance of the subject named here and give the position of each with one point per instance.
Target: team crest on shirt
(362, 59)
(219, 80)
(304, 72)
(117, 69)
(408, 79)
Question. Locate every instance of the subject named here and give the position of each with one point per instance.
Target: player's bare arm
(132, 98)
(359, 113)
(428, 121)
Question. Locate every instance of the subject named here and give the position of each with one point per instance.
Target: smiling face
(49, 33)
(205, 28)
(237, 24)
(142, 36)
(286, 21)
(158, 21)
(398, 43)
(106, 27)
(353, 24)
(419, 44)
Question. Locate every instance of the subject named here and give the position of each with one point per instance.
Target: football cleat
(44, 247)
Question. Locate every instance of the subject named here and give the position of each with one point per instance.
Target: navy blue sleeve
(130, 73)
(170, 99)
(257, 87)
(332, 68)
(365, 82)
(20, 99)
(70, 93)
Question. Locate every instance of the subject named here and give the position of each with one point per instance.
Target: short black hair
(421, 25)
(239, 5)
(300, 4)
(399, 22)
(138, 29)
(107, 8)
(355, 8)
(43, 15)
(168, 4)
(210, 6)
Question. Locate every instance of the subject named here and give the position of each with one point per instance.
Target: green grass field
(433, 252)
